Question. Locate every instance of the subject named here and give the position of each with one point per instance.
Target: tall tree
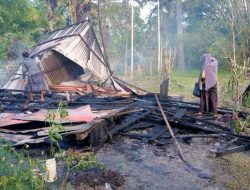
(102, 39)
(180, 45)
(132, 41)
(21, 20)
(52, 5)
(159, 37)
(80, 9)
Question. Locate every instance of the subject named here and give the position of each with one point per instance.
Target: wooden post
(164, 87)
(169, 128)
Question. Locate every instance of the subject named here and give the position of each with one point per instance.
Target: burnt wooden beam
(151, 119)
(195, 127)
(203, 136)
(136, 135)
(227, 144)
(231, 150)
(134, 120)
(141, 125)
(100, 103)
(157, 132)
(219, 110)
(98, 135)
(208, 122)
(180, 113)
(13, 100)
(186, 125)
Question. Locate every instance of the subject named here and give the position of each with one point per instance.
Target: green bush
(18, 172)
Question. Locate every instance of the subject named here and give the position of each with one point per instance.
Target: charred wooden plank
(98, 135)
(141, 125)
(231, 150)
(122, 111)
(134, 120)
(203, 136)
(30, 141)
(162, 141)
(156, 132)
(219, 110)
(208, 122)
(180, 113)
(196, 127)
(227, 144)
(14, 137)
(136, 135)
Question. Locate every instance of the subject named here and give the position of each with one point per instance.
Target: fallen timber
(169, 127)
(135, 117)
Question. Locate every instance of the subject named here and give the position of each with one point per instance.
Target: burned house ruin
(100, 105)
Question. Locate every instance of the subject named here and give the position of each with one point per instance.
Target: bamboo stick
(169, 128)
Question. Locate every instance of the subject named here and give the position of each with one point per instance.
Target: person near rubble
(208, 85)
(33, 75)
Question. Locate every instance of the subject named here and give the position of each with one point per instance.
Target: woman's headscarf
(210, 68)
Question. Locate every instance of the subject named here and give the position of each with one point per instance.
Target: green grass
(182, 83)
(235, 174)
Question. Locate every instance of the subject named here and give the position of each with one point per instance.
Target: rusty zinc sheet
(6, 119)
(78, 115)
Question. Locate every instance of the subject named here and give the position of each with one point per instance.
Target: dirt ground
(151, 167)
(135, 165)
(94, 179)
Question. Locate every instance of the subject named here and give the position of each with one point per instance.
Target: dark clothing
(35, 83)
(34, 76)
(30, 67)
(209, 99)
(208, 85)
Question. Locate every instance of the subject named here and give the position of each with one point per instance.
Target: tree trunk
(72, 6)
(159, 41)
(132, 41)
(51, 4)
(150, 71)
(126, 58)
(163, 37)
(180, 46)
(79, 9)
(102, 39)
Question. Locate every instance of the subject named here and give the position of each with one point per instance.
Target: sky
(146, 10)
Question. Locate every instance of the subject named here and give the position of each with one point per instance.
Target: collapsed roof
(71, 54)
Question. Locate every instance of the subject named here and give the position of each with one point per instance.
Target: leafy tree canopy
(21, 19)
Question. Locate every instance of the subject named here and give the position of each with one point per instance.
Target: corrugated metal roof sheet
(16, 82)
(6, 119)
(81, 114)
(78, 43)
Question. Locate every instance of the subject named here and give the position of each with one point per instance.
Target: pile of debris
(93, 119)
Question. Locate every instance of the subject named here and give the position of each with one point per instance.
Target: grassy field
(182, 83)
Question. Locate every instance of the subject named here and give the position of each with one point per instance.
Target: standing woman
(208, 85)
(34, 75)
